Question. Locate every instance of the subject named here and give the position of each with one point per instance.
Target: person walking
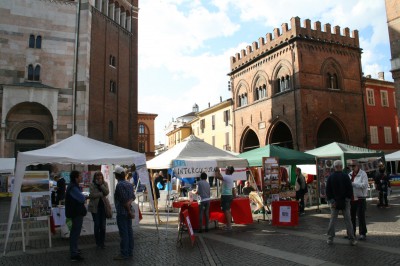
(227, 194)
(300, 187)
(382, 184)
(123, 197)
(339, 192)
(359, 180)
(75, 210)
(204, 192)
(98, 190)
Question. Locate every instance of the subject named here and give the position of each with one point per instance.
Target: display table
(240, 209)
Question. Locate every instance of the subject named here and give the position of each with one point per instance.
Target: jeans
(204, 209)
(347, 220)
(383, 197)
(126, 234)
(358, 209)
(99, 220)
(300, 199)
(74, 235)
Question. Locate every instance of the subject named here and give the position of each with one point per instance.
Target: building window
(332, 81)
(213, 122)
(227, 146)
(31, 41)
(112, 61)
(141, 129)
(384, 99)
(213, 141)
(370, 97)
(39, 42)
(227, 117)
(394, 100)
(142, 147)
(374, 135)
(388, 135)
(30, 72)
(110, 130)
(202, 125)
(242, 99)
(113, 86)
(36, 73)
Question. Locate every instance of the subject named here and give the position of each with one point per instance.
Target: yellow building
(214, 125)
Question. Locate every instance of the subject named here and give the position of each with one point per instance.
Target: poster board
(35, 195)
(271, 178)
(324, 170)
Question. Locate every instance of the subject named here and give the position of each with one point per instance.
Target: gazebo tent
(193, 150)
(345, 152)
(395, 156)
(286, 156)
(73, 150)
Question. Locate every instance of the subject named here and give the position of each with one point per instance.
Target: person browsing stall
(300, 188)
(75, 210)
(204, 192)
(339, 192)
(359, 180)
(98, 190)
(123, 198)
(227, 194)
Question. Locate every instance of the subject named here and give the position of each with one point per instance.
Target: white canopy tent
(73, 150)
(395, 156)
(7, 165)
(193, 156)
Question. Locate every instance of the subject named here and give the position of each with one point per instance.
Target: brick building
(146, 136)
(381, 113)
(67, 67)
(393, 20)
(299, 88)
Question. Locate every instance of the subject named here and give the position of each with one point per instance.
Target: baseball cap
(119, 170)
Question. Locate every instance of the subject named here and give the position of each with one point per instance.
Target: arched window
(113, 86)
(110, 130)
(142, 147)
(39, 42)
(332, 81)
(36, 74)
(31, 41)
(141, 129)
(30, 72)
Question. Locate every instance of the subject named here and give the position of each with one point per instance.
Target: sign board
(189, 226)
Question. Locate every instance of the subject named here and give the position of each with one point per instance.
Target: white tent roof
(395, 156)
(7, 165)
(73, 150)
(195, 149)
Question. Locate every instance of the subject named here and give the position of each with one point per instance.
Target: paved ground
(256, 244)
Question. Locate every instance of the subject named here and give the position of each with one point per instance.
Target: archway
(250, 141)
(329, 132)
(281, 136)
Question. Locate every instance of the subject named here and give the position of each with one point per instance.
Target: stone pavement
(257, 244)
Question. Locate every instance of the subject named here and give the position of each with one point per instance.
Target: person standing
(204, 192)
(98, 190)
(359, 180)
(123, 197)
(300, 187)
(75, 210)
(382, 184)
(247, 188)
(227, 194)
(339, 192)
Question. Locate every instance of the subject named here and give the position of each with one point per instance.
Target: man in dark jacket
(76, 210)
(339, 192)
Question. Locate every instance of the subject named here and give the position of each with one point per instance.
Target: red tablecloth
(240, 208)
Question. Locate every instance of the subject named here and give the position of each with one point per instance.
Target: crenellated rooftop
(284, 34)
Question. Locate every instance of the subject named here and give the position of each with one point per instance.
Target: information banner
(189, 226)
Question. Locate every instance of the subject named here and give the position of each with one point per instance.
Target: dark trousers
(74, 235)
(300, 199)
(99, 220)
(383, 197)
(126, 234)
(358, 208)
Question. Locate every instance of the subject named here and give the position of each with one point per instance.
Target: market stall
(327, 154)
(7, 167)
(73, 150)
(393, 160)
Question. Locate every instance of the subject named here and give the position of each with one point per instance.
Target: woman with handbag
(98, 206)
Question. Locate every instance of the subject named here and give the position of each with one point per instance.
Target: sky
(185, 46)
